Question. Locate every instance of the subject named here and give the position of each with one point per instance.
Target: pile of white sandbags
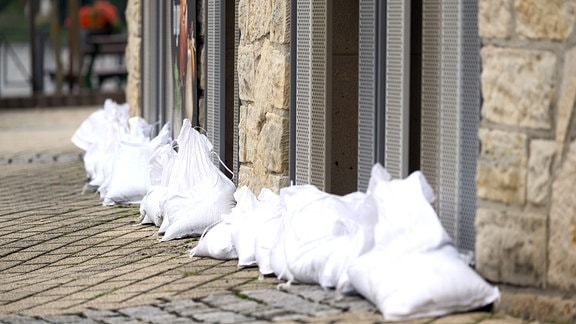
(386, 244)
(118, 150)
(189, 194)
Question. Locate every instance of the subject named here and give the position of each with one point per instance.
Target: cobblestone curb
(41, 158)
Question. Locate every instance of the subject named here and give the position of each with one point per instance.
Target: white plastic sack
(199, 209)
(89, 132)
(217, 243)
(407, 222)
(320, 234)
(420, 284)
(414, 270)
(151, 205)
(198, 193)
(159, 169)
(269, 215)
(129, 180)
(97, 160)
(161, 164)
(243, 226)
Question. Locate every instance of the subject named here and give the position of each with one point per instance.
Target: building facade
(479, 95)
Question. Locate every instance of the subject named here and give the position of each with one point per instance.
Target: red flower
(99, 15)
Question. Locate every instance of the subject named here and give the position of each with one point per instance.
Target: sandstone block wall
(132, 56)
(264, 89)
(526, 220)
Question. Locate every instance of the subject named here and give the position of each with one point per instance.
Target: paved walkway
(66, 258)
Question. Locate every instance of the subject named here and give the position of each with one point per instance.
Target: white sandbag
(314, 226)
(243, 226)
(352, 237)
(160, 165)
(377, 174)
(151, 205)
(89, 132)
(129, 178)
(217, 243)
(292, 199)
(421, 284)
(201, 207)
(159, 169)
(414, 270)
(407, 222)
(269, 214)
(99, 158)
(198, 193)
(126, 176)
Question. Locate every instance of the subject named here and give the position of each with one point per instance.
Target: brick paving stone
(15, 319)
(147, 313)
(218, 316)
(68, 319)
(466, 318)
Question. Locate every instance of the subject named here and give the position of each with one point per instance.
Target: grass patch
(241, 295)
(104, 293)
(189, 273)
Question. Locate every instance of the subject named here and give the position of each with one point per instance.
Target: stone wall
(264, 90)
(526, 220)
(132, 56)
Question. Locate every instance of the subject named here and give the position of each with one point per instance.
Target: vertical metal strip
(312, 94)
(293, 85)
(149, 61)
(321, 95)
(450, 112)
(235, 153)
(430, 103)
(449, 119)
(367, 88)
(303, 92)
(215, 79)
(397, 87)
(469, 123)
(167, 60)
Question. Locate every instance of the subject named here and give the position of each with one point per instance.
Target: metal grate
(367, 90)
(215, 78)
(450, 113)
(450, 102)
(236, 99)
(149, 56)
(312, 94)
(469, 123)
(397, 87)
(430, 103)
(173, 113)
(449, 123)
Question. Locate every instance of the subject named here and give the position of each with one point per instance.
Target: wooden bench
(95, 47)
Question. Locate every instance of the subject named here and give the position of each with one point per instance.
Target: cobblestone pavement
(65, 258)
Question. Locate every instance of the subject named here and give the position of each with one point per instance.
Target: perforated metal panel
(367, 90)
(154, 50)
(149, 55)
(397, 87)
(450, 112)
(469, 123)
(450, 102)
(173, 113)
(430, 109)
(312, 94)
(215, 78)
(235, 153)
